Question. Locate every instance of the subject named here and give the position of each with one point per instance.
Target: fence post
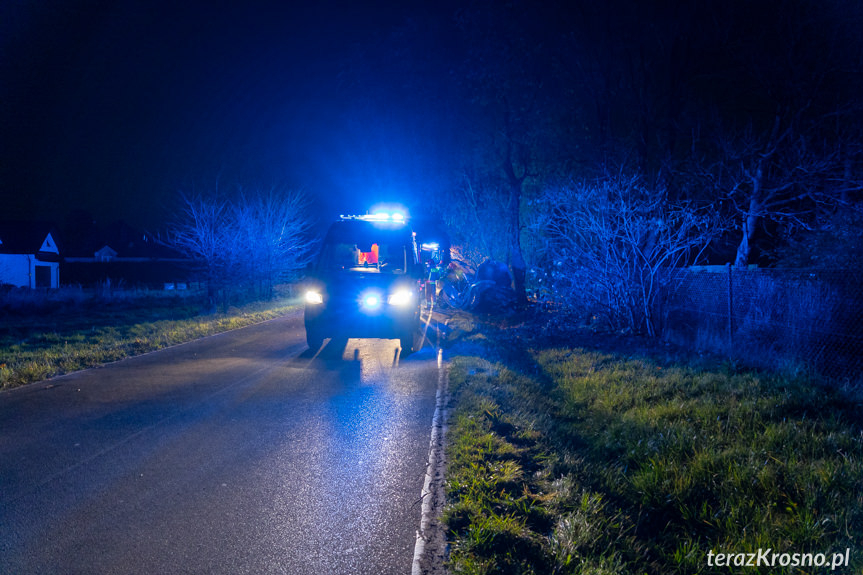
(730, 310)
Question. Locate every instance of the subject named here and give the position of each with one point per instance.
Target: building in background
(29, 256)
(120, 254)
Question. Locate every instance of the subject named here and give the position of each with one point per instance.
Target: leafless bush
(250, 244)
(273, 238)
(613, 247)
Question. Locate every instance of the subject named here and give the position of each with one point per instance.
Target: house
(121, 254)
(29, 256)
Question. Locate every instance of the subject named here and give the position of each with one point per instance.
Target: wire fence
(788, 319)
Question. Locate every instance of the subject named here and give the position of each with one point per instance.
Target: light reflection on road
(238, 454)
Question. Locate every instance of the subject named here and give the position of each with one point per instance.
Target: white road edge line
(435, 453)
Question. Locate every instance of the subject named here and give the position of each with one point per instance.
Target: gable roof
(106, 252)
(123, 240)
(20, 237)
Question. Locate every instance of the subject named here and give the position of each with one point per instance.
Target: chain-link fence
(789, 319)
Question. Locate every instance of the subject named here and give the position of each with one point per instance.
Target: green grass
(583, 462)
(69, 337)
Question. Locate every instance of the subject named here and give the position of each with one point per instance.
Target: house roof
(20, 237)
(125, 241)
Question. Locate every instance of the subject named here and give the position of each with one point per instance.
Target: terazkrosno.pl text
(769, 558)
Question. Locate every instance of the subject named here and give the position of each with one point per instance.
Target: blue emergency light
(395, 217)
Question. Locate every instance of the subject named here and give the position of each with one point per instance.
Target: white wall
(20, 270)
(15, 269)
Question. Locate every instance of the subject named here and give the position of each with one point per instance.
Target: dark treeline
(750, 110)
(647, 134)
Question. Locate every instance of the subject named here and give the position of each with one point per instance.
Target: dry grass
(567, 460)
(50, 334)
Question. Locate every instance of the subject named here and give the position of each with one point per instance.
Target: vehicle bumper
(387, 323)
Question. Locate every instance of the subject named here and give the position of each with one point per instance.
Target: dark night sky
(116, 107)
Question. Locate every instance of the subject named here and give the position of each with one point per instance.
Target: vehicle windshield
(380, 258)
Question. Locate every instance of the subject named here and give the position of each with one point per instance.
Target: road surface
(239, 453)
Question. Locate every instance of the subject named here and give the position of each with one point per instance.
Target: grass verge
(565, 460)
(45, 345)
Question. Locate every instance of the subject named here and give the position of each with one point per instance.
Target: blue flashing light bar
(395, 217)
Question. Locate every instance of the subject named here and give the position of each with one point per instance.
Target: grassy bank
(55, 338)
(564, 460)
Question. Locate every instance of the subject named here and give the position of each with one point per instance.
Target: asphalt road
(239, 453)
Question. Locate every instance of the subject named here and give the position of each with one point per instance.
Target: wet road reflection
(274, 462)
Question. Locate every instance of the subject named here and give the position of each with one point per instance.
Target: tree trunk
(519, 276)
(519, 268)
(211, 291)
(750, 222)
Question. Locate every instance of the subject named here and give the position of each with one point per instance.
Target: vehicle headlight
(314, 297)
(401, 297)
(371, 301)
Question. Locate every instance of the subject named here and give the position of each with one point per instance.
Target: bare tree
(256, 241)
(782, 151)
(514, 129)
(615, 247)
(781, 175)
(274, 229)
(201, 234)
